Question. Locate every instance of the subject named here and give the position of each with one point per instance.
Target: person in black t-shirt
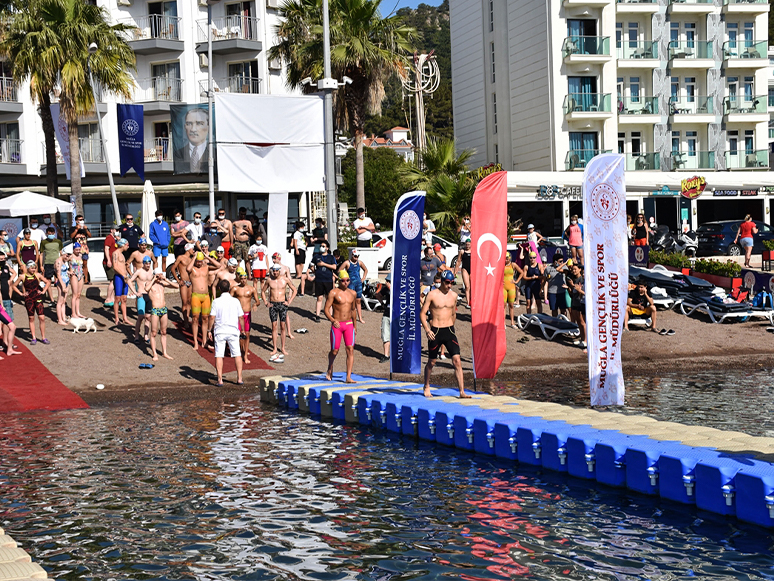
(325, 264)
(384, 297)
(640, 304)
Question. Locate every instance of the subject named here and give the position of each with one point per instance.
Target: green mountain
(432, 25)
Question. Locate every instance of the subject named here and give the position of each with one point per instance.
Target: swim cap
(76, 245)
(204, 243)
(275, 267)
(233, 262)
(143, 241)
(276, 255)
(213, 254)
(241, 271)
(530, 226)
(344, 274)
(447, 275)
(532, 255)
(436, 247)
(189, 246)
(199, 256)
(122, 242)
(146, 259)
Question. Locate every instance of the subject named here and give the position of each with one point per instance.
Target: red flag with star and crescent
(489, 217)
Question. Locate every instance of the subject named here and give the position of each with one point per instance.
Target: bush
(673, 259)
(729, 269)
(768, 244)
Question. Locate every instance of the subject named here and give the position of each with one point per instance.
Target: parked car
(718, 238)
(383, 241)
(96, 254)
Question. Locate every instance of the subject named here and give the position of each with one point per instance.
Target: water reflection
(235, 490)
(728, 400)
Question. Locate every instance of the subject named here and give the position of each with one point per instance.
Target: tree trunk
(359, 170)
(52, 182)
(75, 166)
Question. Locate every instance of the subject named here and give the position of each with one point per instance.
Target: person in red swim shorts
(341, 312)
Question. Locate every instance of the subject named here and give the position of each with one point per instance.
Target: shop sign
(665, 191)
(748, 192)
(560, 193)
(485, 170)
(693, 187)
(767, 189)
(725, 193)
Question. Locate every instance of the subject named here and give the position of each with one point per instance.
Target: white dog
(86, 324)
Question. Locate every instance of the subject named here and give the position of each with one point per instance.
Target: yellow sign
(693, 187)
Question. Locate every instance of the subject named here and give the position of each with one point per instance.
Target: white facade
(170, 41)
(675, 85)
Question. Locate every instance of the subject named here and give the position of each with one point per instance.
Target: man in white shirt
(36, 233)
(364, 228)
(195, 230)
(193, 156)
(427, 230)
(225, 314)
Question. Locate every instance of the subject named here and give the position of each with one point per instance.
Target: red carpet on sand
(228, 362)
(26, 384)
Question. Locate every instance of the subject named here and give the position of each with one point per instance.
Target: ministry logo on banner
(130, 139)
(405, 328)
(605, 255)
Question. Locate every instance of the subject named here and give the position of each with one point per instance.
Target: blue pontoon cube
(676, 473)
(642, 463)
(755, 494)
(715, 486)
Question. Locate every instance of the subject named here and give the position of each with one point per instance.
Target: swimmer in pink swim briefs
(341, 312)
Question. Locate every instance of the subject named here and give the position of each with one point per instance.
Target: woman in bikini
(76, 280)
(26, 250)
(63, 273)
(34, 289)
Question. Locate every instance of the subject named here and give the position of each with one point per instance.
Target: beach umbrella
(149, 207)
(28, 204)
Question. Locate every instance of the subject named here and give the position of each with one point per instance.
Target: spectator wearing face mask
(195, 231)
(298, 246)
(36, 233)
(178, 229)
(49, 221)
(5, 245)
(132, 233)
(574, 235)
(160, 235)
(50, 249)
(213, 236)
(365, 229)
(226, 230)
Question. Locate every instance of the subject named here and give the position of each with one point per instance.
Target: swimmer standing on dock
(441, 303)
(340, 310)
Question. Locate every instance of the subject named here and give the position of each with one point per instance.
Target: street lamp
(210, 155)
(103, 143)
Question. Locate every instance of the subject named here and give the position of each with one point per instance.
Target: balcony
(11, 157)
(693, 109)
(584, 3)
(154, 33)
(746, 6)
(642, 161)
(758, 159)
(578, 158)
(745, 54)
(158, 154)
(636, 6)
(586, 49)
(9, 102)
(229, 35)
(691, 54)
(746, 109)
(691, 6)
(640, 109)
(637, 54)
(692, 160)
(586, 106)
(236, 84)
(156, 93)
(91, 153)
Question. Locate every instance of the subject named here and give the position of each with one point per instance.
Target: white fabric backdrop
(292, 168)
(277, 220)
(605, 256)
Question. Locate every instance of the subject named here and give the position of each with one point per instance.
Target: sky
(387, 5)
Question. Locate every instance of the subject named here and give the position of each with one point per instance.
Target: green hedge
(729, 269)
(674, 259)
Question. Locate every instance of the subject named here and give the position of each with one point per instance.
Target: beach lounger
(548, 325)
(718, 311)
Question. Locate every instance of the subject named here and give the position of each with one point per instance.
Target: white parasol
(149, 207)
(29, 204)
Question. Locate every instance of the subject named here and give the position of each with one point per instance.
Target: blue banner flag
(405, 328)
(130, 139)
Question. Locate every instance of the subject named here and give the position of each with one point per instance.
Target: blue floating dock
(728, 473)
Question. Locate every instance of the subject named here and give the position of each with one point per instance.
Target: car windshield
(710, 228)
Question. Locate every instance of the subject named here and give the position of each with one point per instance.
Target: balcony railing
(748, 159)
(578, 158)
(638, 106)
(8, 90)
(693, 160)
(587, 103)
(237, 84)
(159, 89)
(10, 150)
(691, 105)
(746, 104)
(158, 149)
(692, 1)
(690, 49)
(771, 100)
(727, 2)
(90, 149)
(745, 49)
(642, 161)
(586, 45)
(154, 26)
(637, 1)
(230, 27)
(637, 49)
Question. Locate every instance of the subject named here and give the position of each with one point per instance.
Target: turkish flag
(489, 217)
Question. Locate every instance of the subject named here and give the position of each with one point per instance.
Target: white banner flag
(63, 138)
(605, 255)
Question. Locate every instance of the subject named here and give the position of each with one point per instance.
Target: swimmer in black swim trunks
(442, 305)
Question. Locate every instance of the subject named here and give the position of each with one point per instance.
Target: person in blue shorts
(119, 280)
(159, 234)
(353, 266)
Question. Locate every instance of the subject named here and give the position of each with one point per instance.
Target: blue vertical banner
(405, 327)
(131, 142)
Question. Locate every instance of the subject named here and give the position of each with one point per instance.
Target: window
(634, 89)
(674, 90)
(733, 34)
(491, 15)
(748, 34)
(749, 143)
(618, 34)
(633, 34)
(690, 34)
(163, 19)
(243, 78)
(239, 20)
(690, 89)
(619, 87)
(10, 146)
(733, 142)
(691, 138)
(497, 154)
(674, 34)
(636, 143)
(675, 141)
(89, 143)
(166, 81)
(622, 143)
(748, 89)
(494, 112)
(492, 52)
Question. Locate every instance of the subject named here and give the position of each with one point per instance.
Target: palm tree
(364, 47)
(439, 157)
(57, 56)
(450, 197)
(30, 46)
